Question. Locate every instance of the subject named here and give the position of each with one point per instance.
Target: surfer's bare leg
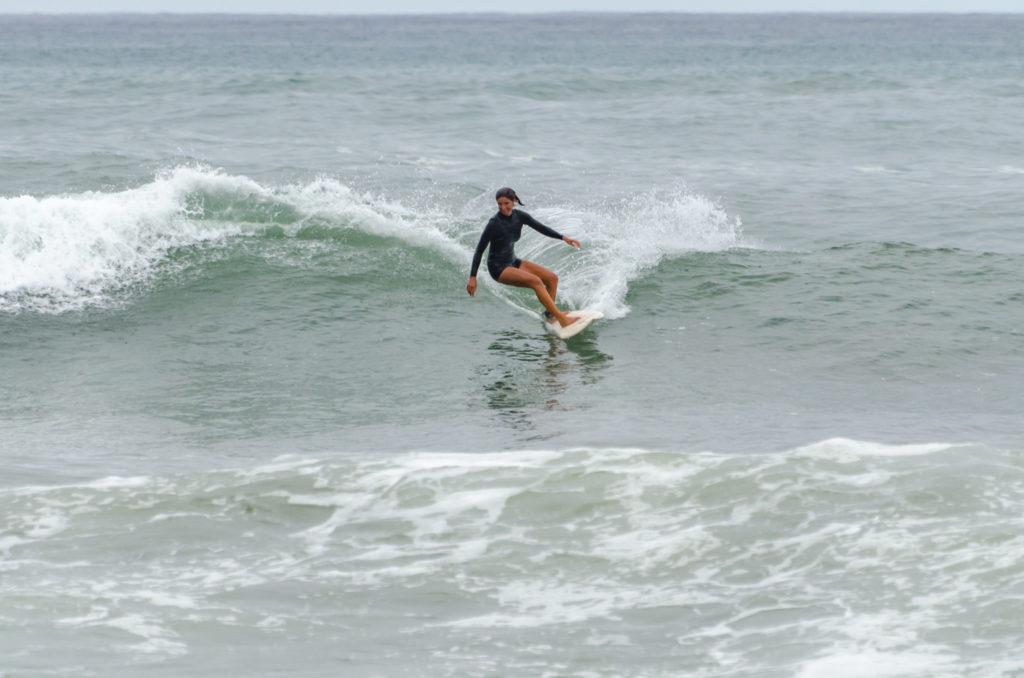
(520, 277)
(549, 278)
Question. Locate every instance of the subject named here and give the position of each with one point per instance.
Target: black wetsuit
(501, 233)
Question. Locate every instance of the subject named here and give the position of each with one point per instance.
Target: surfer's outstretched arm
(547, 230)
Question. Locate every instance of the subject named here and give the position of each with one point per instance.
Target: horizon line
(36, 12)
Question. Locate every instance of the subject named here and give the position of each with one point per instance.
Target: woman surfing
(501, 234)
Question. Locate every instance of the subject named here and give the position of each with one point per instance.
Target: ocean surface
(251, 424)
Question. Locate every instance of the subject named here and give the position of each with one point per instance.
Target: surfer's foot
(562, 319)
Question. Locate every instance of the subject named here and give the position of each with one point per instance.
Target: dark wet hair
(508, 193)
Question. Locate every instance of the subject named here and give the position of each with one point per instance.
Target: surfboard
(576, 327)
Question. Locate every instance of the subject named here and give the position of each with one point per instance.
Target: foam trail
(330, 198)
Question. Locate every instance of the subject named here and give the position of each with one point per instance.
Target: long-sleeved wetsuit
(501, 233)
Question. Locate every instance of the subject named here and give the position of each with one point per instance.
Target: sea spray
(625, 239)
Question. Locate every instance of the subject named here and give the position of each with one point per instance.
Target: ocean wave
(65, 252)
(625, 239)
(859, 550)
(69, 252)
(62, 252)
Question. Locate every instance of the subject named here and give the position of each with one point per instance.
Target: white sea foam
(96, 614)
(843, 449)
(840, 558)
(874, 169)
(157, 638)
(105, 483)
(60, 252)
(855, 663)
(539, 603)
(64, 252)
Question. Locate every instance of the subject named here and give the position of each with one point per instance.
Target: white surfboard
(586, 317)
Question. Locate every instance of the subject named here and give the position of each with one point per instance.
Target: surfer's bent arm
(546, 230)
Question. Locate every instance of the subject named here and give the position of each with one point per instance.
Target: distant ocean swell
(67, 252)
(842, 558)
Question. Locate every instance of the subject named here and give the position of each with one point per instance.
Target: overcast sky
(442, 6)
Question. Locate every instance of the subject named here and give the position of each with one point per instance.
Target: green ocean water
(252, 424)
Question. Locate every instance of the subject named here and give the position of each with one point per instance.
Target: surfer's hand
(471, 286)
(574, 243)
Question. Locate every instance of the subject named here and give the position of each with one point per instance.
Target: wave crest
(67, 252)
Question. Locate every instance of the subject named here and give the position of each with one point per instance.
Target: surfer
(501, 233)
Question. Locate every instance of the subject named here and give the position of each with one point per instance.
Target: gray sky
(441, 6)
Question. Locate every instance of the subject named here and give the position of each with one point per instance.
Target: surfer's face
(505, 206)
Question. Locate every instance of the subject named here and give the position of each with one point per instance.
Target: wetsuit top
(501, 233)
